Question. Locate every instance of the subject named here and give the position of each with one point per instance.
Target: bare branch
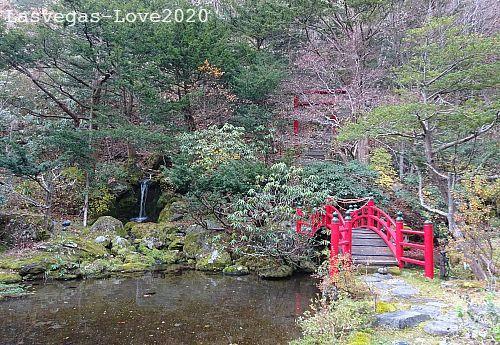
(421, 197)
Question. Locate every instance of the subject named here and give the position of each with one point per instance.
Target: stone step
(368, 241)
(375, 261)
(367, 238)
(373, 251)
(401, 319)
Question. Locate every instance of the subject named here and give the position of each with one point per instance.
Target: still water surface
(192, 308)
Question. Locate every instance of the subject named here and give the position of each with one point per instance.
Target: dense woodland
(206, 110)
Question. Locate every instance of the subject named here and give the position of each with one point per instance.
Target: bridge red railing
(369, 216)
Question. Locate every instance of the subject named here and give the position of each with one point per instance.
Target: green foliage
(101, 201)
(351, 180)
(257, 81)
(264, 216)
(264, 24)
(214, 167)
(210, 148)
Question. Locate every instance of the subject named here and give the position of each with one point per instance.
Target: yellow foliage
(381, 161)
(101, 201)
(210, 69)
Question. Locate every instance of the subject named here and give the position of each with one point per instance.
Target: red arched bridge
(370, 236)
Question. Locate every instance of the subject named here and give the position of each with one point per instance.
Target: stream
(191, 308)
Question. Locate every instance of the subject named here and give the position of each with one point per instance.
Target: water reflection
(189, 309)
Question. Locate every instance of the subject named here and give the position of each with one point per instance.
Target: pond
(191, 308)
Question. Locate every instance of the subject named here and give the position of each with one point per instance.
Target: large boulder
(173, 212)
(32, 269)
(151, 230)
(196, 244)
(107, 225)
(158, 256)
(276, 272)
(19, 228)
(236, 270)
(216, 260)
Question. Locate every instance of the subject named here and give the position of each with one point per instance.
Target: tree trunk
(86, 200)
(402, 162)
(363, 151)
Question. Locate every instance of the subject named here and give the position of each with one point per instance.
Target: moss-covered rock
(33, 269)
(10, 262)
(106, 225)
(236, 270)
(179, 207)
(161, 256)
(165, 214)
(194, 244)
(276, 272)
(9, 277)
(79, 246)
(217, 260)
(176, 241)
(152, 230)
(135, 266)
(100, 267)
(18, 228)
(257, 263)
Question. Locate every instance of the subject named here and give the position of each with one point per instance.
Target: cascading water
(142, 206)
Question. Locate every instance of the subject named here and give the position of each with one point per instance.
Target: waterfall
(144, 196)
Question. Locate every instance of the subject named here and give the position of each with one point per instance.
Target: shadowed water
(192, 308)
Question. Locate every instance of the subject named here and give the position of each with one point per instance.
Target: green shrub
(264, 216)
(334, 322)
(351, 180)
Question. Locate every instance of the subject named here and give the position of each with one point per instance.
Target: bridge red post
(399, 239)
(334, 244)
(370, 206)
(348, 231)
(298, 224)
(429, 249)
(328, 214)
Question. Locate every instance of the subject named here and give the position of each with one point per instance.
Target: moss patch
(133, 267)
(161, 256)
(193, 245)
(235, 270)
(9, 277)
(159, 231)
(276, 272)
(360, 338)
(385, 307)
(79, 246)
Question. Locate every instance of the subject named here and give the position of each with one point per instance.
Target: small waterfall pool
(192, 308)
(142, 203)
